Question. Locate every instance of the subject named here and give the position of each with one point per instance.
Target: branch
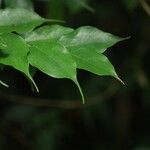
(41, 102)
(145, 6)
(60, 104)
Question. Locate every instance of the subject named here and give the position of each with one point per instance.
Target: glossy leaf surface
(17, 51)
(86, 44)
(55, 50)
(19, 20)
(54, 60)
(90, 38)
(47, 33)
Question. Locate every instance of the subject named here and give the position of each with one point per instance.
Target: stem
(145, 6)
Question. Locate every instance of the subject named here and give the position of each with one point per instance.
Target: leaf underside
(55, 50)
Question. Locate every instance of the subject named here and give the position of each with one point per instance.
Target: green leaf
(54, 60)
(93, 62)
(27, 4)
(90, 38)
(3, 53)
(86, 44)
(19, 20)
(47, 33)
(43, 41)
(2, 43)
(17, 50)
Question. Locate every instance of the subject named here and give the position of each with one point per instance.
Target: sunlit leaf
(90, 38)
(54, 60)
(17, 51)
(19, 20)
(86, 44)
(2, 43)
(93, 62)
(55, 50)
(47, 33)
(27, 4)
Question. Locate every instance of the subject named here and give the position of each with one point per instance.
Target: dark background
(115, 116)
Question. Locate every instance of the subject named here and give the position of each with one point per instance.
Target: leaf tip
(125, 38)
(36, 88)
(80, 90)
(33, 83)
(117, 77)
(4, 84)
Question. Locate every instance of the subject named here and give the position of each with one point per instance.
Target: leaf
(2, 43)
(3, 53)
(54, 60)
(86, 44)
(90, 38)
(17, 50)
(19, 20)
(47, 33)
(43, 43)
(93, 62)
(27, 4)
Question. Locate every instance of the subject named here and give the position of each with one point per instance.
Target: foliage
(115, 117)
(55, 50)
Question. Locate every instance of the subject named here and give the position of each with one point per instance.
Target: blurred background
(115, 116)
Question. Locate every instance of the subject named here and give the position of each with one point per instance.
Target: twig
(145, 6)
(41, 102)
(60, 104)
